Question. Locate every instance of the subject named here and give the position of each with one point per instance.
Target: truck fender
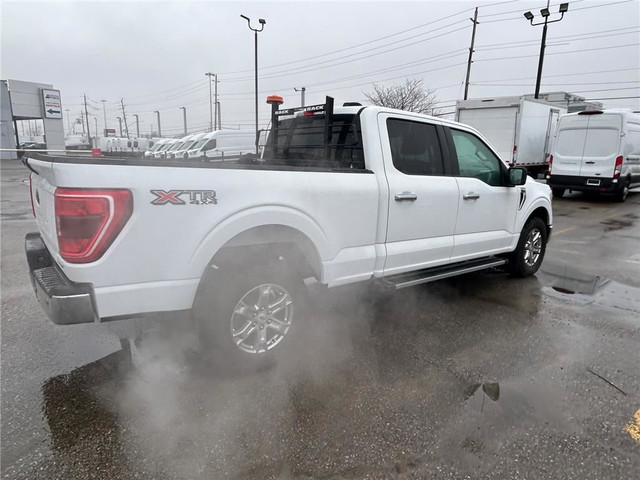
(263, 225)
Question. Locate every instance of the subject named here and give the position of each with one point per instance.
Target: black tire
(523, 262)
(623, 190)
(558, 192)
(221, 317)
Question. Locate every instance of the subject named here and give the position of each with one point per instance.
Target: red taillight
(550, 165)
(33, 207)
(88, 221)
(618, 169)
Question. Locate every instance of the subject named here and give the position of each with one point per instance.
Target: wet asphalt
(481, 376)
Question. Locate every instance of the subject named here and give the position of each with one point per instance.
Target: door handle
(410, 196)
(590, 163)
(471, 196)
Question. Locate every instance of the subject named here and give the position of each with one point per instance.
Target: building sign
(51, 103)
(109, 132)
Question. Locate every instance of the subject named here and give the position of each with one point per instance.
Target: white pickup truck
(342, 195)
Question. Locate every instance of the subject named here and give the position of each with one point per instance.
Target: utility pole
(120, 123)
(564, 7)
(301, 90)
(184, 110)
(217, 106)
(81, 121)
(96, 120)
(86, 113)
(137, 125)
(219, 116)
(104, 111)
(68, 124)
(213, 117)
(209, 74)
(124, 116)
(159, 127)
(473, 39)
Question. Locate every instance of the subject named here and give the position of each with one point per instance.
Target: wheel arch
(544, 214)
(275, 243)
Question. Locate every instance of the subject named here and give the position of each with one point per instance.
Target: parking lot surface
(482, 376)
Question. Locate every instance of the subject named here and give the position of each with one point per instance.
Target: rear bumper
(64, 301)
(583, 184)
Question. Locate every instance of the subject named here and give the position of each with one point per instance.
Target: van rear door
(569, 145)
(601, 146)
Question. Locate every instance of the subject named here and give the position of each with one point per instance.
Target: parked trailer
(520, 128)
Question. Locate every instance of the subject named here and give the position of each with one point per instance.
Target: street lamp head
(245, 17)
(156, 111)
(545, 12)
(528, 16)
(564, 7)
(262, 21)
(183, 108)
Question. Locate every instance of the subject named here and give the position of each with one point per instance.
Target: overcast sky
(155, 55)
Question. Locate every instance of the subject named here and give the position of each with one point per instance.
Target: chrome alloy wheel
(261, 318)
(532, 247)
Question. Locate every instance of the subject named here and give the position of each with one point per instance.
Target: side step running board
(410, 279)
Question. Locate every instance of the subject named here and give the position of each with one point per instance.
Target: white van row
(218, 145)
(123, 144)
(596, 151)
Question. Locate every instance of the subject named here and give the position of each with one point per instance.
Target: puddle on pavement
(581, 288)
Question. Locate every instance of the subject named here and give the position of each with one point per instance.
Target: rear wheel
(249, 316)
(529, 253)
(558, 192)
(623, 190)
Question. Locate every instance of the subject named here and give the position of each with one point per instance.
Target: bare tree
(410, 96)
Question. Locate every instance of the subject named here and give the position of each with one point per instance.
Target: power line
(287, 72)
(519, 17)
(364, 43)
(561, 53)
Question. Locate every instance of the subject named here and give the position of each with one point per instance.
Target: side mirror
(517, 176)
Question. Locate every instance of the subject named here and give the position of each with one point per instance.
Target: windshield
(176, 146)
(200, 143)
(187, 145)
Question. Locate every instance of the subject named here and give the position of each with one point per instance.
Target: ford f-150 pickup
(338, 195)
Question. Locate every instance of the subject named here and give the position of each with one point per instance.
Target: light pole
(545, 14)
(104, 111)
(262, 22)
(120, 123)
(137, 125)
(184, 110)
(96, 120)
(301, 90)
(159, 128)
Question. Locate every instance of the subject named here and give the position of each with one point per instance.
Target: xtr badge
(184, 197)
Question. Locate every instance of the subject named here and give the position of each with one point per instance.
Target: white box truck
(520, 128)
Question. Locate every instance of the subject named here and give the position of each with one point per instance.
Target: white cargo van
(159, 143)
(596, 151)
(161, 152)
(181, 151)
(224, 145)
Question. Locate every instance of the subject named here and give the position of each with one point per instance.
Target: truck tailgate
(43, 187)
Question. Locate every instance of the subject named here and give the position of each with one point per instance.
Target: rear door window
(601, 142)
(415, 148)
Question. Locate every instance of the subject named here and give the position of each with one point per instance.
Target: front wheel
(529, 253)
(249, 315)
